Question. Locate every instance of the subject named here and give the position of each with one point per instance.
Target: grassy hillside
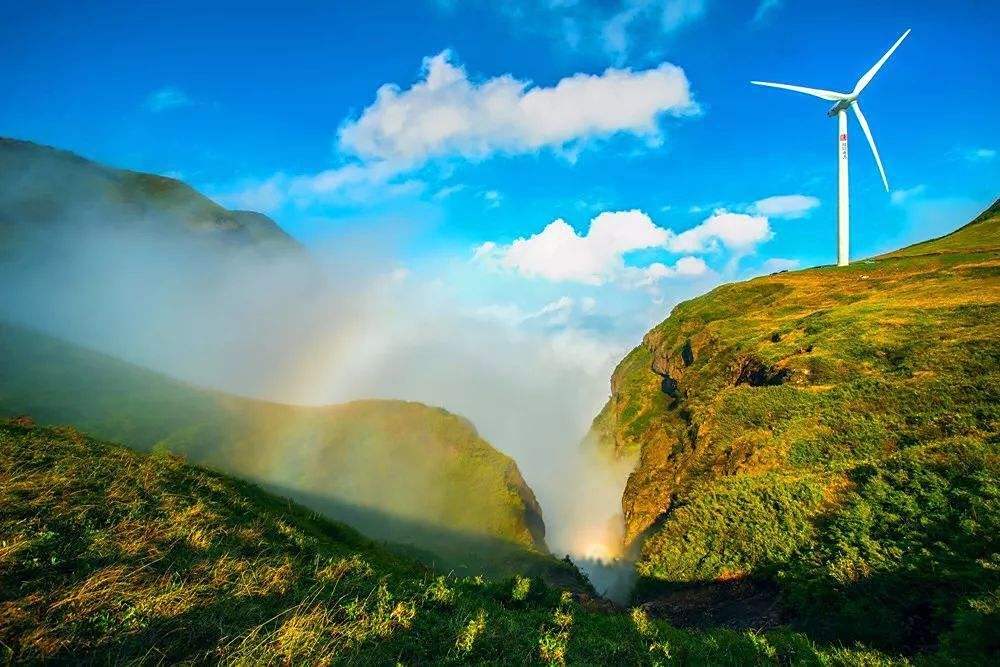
(109, 556)
(47, 189)
(400, 471)
(831, 434)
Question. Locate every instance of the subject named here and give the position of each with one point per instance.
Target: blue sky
(504, 121)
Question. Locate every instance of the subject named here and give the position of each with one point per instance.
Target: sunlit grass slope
(114, 557)
(396, 470)
(833, 430)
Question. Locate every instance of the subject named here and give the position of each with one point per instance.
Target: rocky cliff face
(820, 447)
(800, 370)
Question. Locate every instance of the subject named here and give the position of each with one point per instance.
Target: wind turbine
(843, 101)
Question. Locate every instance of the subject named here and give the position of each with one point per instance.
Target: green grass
(398, 470)
(831, 431)
(706, 540)
(110, 556)
(915, 539)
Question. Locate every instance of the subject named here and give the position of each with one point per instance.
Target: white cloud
(558, 253)
(687, 267)
(448, 191)
(554, 313)
(484, 251)
(492, 198)
(446, 113)
(764, 8)
(980, 154)
(902, 196)
(785, 206)
(399, 274)
(265, 196)
(677, 13)
(614, 27)
(579, 349)
(671, 15)
(690, 266)
(168, 97)
(348, 183)
(736, 232)
(505, 313)
(560, 307)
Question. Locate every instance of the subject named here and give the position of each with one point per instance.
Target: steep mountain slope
(396, 470)
(44, 189)
(832, 431)
(107, 556)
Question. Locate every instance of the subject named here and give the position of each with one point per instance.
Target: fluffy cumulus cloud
(447, 113)
(560, 253)
(738, 233)
(785, 206)
(685, 267)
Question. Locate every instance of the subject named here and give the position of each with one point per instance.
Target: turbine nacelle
(841, 105)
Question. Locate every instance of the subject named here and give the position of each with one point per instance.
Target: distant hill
(396, 470)
(108, 556)
(44, 190)
(829, 437)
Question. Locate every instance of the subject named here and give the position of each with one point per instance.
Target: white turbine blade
(870, 74)
(871, 141)
(815, 92)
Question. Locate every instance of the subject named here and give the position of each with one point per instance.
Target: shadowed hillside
(828, 437)
(108, 556)
(407, 467)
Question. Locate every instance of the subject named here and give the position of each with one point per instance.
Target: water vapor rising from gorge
(340, 326)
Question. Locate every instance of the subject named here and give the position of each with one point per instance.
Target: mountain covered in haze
(821, 447)
(116, 264)
(45, 189)
(397, 470)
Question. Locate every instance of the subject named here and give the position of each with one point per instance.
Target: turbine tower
(843, 101)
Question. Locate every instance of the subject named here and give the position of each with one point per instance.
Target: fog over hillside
(182, 288)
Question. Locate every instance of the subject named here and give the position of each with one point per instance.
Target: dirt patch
(754, 372)
(739, 603)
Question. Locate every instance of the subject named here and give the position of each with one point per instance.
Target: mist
(330, 324)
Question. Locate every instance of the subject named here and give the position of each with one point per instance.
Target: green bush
(739, 525)
(908, 546)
